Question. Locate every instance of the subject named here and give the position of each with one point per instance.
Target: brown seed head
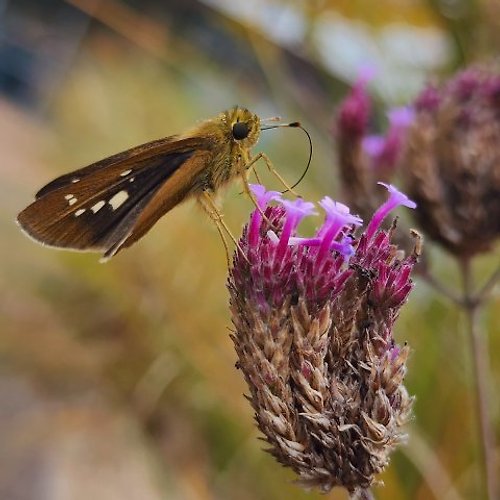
(452, 162)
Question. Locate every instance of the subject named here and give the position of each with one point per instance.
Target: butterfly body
(112, 203)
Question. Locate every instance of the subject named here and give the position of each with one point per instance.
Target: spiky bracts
(452, 161)
(314, 322)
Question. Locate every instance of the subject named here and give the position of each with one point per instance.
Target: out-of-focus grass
(147, 332)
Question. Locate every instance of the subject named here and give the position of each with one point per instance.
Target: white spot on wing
(95, 208)
(125, 173)
(71, 198)
(132, 179)
(79, 212)
(118, 199)
(75, 180)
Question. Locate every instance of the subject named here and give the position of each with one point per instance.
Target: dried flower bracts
(452, 161)
(314, 322)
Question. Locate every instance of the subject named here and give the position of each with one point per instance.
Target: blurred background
(118, 381)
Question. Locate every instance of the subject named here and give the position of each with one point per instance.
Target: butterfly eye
(240, 130)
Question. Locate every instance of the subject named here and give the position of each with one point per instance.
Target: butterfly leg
(247, 171)
(210, 206)
(243, 171)
(271, 168)
(254, 170)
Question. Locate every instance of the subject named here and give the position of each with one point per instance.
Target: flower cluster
(364, 156)
(445, 145)
(452, 161)
(314, 320)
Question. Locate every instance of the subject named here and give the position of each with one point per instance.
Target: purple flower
(337, 218)
(396, 198)
(263, 197)
(385, 151)
(401, 118)
(354, 112)
(466, 84)
(295, 212)
(373, 146)
(314, 330)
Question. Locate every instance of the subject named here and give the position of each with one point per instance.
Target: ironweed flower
(384, 151)
(314, 320)
(355, 111)
(364, 157)
(350, 128)
(452, 162)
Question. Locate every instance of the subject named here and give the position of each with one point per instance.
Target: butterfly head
(241, 126)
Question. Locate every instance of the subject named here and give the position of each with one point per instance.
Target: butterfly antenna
(295, 125)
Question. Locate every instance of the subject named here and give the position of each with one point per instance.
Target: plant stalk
(480, 362)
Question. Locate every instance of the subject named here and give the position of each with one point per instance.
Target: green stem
(362, 494)
(484, 293)
(480, 362)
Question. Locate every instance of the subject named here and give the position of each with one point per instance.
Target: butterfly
(109, 205)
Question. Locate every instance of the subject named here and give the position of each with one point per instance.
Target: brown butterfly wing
(97, 207)
(107, 167)
(183, 182)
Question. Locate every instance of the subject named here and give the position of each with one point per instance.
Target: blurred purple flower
(385, 151)
(354, 112)
(428, 100)
(401, 118)
(452, 161)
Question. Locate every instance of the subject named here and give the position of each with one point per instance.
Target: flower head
(363, 157)
(354, 112)
(314, 325)
(428, 100)
(452, 161)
